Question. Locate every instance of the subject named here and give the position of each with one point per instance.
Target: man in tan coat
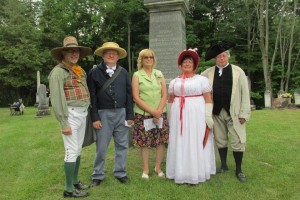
(231, 105)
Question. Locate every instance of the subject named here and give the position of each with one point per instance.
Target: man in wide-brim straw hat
(70, 99)
(112, 108)
(231, 105)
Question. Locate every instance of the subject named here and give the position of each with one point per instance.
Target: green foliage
(32, 163)
(30, 29)
(20, 51)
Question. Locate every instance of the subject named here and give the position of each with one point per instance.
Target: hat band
(71, 44)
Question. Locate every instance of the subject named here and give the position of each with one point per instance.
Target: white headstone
(268, 99)
(38, 82)
(297, 97)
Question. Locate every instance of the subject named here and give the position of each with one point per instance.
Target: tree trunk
(128, 46)
(264, 41)
(288, 72)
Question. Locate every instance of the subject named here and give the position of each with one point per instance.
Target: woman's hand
(157, 113)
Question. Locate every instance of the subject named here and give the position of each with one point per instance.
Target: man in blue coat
(112, 109)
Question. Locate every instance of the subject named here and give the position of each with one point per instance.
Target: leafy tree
(21, 53)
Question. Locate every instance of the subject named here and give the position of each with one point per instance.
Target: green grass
(31, 163)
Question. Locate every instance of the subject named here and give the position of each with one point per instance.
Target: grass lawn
(31, 163)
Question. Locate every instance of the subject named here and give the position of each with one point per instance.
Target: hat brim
(122, 52)
(218, 48)
(56, 53)
(190, 53)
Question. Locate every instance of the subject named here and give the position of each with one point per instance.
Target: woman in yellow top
(151, 127)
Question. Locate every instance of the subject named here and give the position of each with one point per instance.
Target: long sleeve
(129, 99)
(58, 99)
(93, 92)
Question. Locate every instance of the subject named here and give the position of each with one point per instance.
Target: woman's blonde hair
(144, 53)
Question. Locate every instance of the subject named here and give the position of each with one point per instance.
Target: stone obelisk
(167, 35)
(38, 82)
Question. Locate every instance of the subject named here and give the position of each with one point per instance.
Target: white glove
(208, 115)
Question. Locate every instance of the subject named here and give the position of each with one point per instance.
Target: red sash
(182, 102)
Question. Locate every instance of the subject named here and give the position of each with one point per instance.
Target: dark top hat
(218, 48)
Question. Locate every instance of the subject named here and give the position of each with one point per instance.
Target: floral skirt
(151, 138)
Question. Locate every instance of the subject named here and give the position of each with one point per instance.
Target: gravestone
(43, 107)
(268, 99)
(297, 97)
(38, 82)
(167, 36)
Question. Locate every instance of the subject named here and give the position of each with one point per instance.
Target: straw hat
(111, 46)
(218, 48)
(70, 42)
(192, 53)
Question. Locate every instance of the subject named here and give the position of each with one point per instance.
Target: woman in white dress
(188, 159)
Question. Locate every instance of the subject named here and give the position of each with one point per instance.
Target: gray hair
(228, 53)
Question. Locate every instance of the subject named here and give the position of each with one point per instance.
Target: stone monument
(38, 82)
(268, 99)
(43, 107)
(167, 36)
(297, 97)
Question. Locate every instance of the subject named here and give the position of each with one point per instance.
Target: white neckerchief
(110, 70)
(221, 69)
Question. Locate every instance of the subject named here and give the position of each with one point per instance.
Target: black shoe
(222, 169)
(123, 179)
(80, 186)
(241, 177)
(75, 194)
(96, 182)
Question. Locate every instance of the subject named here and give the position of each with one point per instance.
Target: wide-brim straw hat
(217, 48)
(111, 46)
(68, 43)
(189, 52)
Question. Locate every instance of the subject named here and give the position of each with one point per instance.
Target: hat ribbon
(71, 44)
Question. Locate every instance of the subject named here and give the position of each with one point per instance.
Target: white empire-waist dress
(187, 160)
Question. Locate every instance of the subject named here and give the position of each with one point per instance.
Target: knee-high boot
(223, 158)
(69, 172)
(238, 157)
(75, 177)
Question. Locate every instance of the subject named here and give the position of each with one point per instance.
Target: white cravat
(110, 70)
(221, 69)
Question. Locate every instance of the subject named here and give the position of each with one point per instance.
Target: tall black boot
(238, 157)
(223, 158)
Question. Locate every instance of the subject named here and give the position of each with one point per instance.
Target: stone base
(281, 102)
(40, 113)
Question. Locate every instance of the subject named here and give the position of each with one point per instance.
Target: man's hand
(67, 131)
(242, 120)
(97, 124)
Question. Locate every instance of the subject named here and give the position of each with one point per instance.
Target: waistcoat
(75, 89)
(222, 88)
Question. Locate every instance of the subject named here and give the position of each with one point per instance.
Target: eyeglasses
(148, 57)
(111, 53)
(72, 51)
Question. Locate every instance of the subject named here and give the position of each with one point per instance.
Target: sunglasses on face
(148, 57)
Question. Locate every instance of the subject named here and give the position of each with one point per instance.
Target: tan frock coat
(240, 99)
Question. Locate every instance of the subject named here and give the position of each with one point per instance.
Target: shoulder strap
(110, 80)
